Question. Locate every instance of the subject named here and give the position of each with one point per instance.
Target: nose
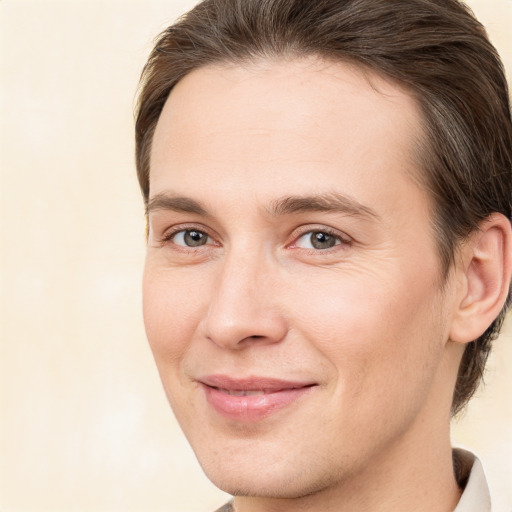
(244, 307)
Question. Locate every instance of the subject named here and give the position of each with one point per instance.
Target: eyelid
(172, 231)
(305, 230)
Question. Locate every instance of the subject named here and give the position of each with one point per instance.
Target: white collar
(475, 497)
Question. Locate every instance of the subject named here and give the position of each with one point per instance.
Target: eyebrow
(330, 202)
(178, 204)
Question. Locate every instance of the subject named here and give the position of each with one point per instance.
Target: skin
(368, 320)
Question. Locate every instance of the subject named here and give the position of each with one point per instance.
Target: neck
(423, 481)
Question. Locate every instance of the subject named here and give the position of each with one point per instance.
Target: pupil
(195, 238)
(321, 240)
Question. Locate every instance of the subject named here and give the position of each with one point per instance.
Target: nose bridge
(243, 306)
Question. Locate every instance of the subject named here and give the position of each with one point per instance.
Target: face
(292, 290)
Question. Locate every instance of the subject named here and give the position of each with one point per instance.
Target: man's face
(292, 289)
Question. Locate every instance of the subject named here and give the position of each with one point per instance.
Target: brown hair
(436, 48)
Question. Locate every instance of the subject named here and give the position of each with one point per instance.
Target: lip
(253, 398)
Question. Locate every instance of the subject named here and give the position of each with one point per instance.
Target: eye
(189, 238)
(318, 240)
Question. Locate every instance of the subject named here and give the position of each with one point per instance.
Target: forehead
(283, 125)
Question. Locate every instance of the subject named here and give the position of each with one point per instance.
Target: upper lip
(252, 383)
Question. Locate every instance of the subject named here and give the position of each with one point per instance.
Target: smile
(251, 399)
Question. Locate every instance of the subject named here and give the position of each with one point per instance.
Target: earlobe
(486, 261)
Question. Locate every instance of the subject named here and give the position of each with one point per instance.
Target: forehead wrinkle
(329, 202)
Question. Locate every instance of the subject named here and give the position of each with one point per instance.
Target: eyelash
(343, 240)
(297, 235)
(169, 235)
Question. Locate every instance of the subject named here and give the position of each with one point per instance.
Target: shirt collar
(475, 497)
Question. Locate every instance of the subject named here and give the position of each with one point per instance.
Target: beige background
(84, 425)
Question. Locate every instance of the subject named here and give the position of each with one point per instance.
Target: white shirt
(475, 497)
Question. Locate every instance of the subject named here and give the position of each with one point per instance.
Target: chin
(275, 489)
(272, 480)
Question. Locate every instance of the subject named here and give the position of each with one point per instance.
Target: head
(429, 59)
(453, 72)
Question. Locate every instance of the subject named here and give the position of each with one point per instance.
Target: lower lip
(252, 408)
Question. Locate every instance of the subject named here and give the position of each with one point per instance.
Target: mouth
(241, 392)
(251, 399)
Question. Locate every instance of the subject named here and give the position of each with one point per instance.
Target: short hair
(435, 48)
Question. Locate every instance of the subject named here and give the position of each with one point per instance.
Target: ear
(485, 272)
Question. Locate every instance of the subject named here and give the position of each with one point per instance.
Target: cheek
(170, 310)
(376, 333)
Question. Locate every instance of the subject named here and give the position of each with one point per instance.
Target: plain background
(84, 424)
